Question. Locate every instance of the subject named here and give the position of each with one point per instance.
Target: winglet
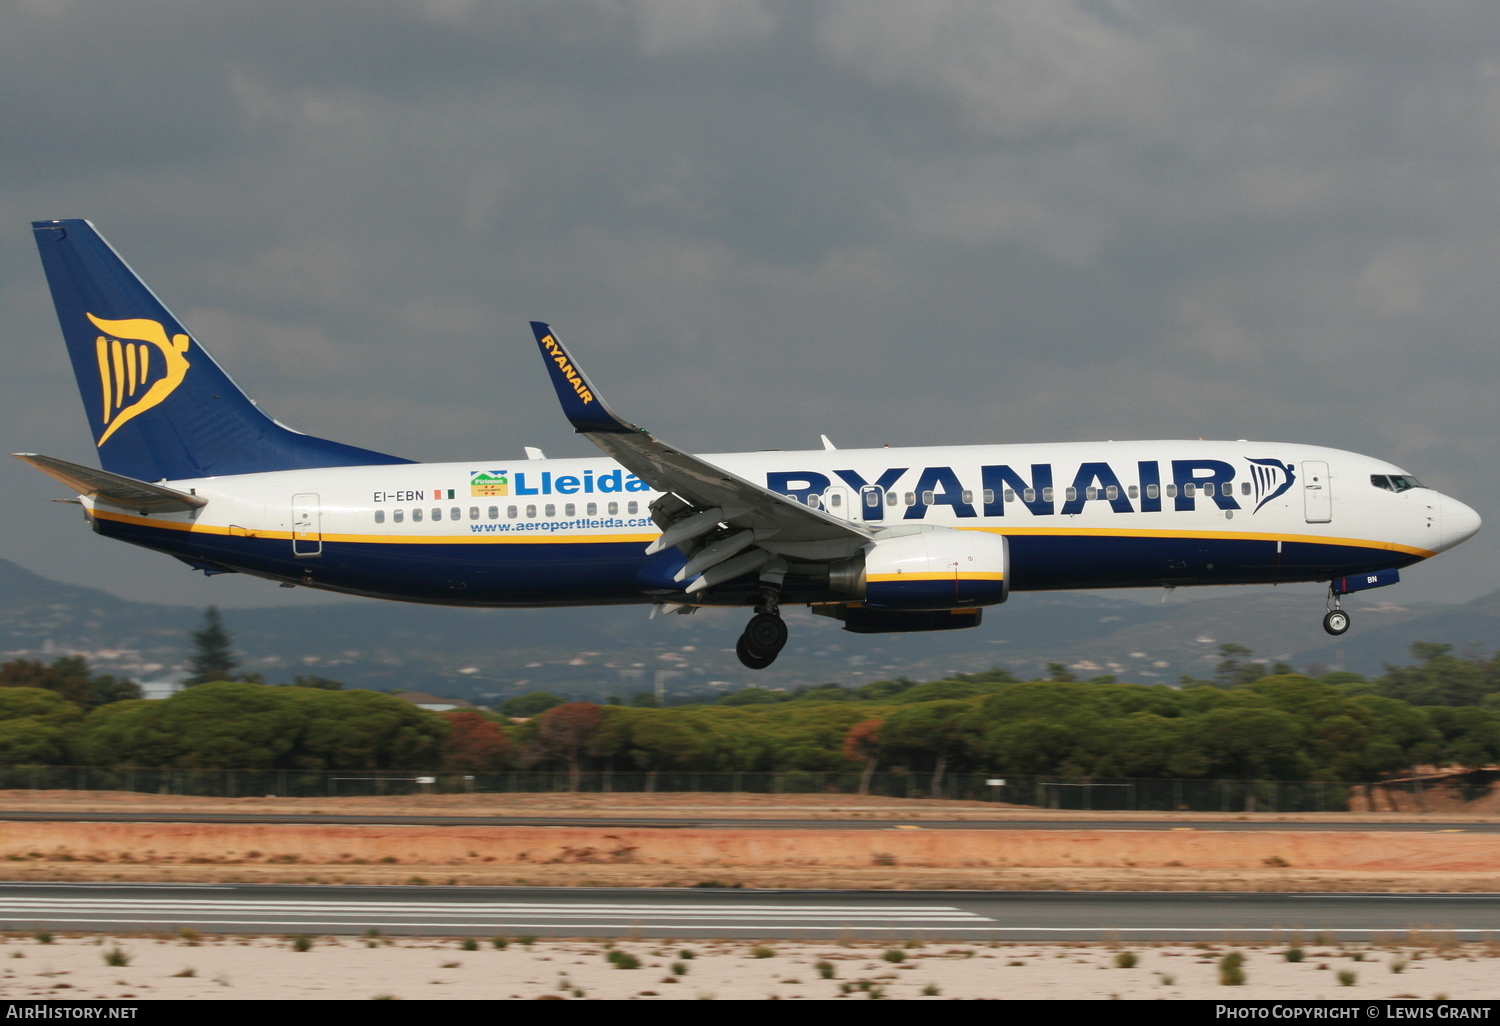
(580, 401)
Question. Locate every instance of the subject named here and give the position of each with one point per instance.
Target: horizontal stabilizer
(115, 489)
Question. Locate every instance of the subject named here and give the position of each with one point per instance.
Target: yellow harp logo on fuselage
(133, 379)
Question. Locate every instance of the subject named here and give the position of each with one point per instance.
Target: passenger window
(511, 512)
(910, 498)
(614, 508)
(927, 498)
(1244, 487)
(872, 499)
(1047, 493)
(397, 515)
(1112, 492)
(1029, 495)
(1091, 493)
(380, 516)
(437, 514)
(1153, 491)
(1208, 489)
(1133, 492)
(891, 498)
(551, 509)
(530, 512)
(570, 510)
(1171, 491)
(495, 513)
(592, 509)
(416, 516)
(632, 507)
(1072, 494)
(835, 499)
(1189, 490)
(457, 514)
(967, 497)
(473, 513)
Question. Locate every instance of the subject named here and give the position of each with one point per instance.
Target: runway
(737, 914)
(731, 823)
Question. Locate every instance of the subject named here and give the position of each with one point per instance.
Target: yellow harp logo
(133, 379)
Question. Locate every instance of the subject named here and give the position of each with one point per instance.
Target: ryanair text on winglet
(561, 359)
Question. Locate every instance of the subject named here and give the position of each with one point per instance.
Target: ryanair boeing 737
(883, 540)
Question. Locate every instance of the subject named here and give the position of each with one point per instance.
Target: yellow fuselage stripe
(545, 538)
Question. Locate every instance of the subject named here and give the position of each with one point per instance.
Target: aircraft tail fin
(159, 406)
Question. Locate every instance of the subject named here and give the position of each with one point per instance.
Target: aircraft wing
(115, 489)
(770, 524)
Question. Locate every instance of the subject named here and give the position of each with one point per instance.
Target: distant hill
(592, 652)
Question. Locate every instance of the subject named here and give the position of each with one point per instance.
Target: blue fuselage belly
(608, 573)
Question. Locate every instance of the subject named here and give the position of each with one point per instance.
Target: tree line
(1248, 720)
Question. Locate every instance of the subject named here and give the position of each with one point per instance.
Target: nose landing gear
(764, 637)
(1335, 621)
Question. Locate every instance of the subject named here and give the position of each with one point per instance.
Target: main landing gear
(1335, 621)
(764, 637)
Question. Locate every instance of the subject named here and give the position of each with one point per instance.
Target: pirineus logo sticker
(138, 367)
(488, 482)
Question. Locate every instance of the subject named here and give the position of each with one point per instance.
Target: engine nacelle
(935, 569)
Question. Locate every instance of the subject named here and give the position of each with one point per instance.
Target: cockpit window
(1395, 482)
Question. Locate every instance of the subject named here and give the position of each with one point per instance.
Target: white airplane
(884, 540)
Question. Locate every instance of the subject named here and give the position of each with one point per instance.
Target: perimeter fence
(1062, 793)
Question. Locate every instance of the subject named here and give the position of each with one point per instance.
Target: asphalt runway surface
(742, 914)
(728, 823)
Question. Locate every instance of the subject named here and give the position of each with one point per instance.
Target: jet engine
(934, 569)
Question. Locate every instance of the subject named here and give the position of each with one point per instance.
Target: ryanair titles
(566, 369)
(1146, 487)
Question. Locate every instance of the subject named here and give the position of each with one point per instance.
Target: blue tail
(159, 407)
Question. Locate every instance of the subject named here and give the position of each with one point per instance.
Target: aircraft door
(1317, 497)
(307, 530)
(838, 501)
(872, 502)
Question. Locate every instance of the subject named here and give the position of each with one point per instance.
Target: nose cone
(1459, 522)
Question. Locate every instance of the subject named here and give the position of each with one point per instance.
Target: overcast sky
(895, 222)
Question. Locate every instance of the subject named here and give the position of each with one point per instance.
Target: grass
(116, 957)
(1126, 960)
(622, 960)
(1232, 970)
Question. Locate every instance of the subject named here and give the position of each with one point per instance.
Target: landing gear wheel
(752, 658)
(766, 632)
(1336, 622)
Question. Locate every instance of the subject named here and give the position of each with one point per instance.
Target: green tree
(312, 680)
(70, 677)
(1439, 678)
(533, 703)
(934, 733)
(35, 726)
(212, 657)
